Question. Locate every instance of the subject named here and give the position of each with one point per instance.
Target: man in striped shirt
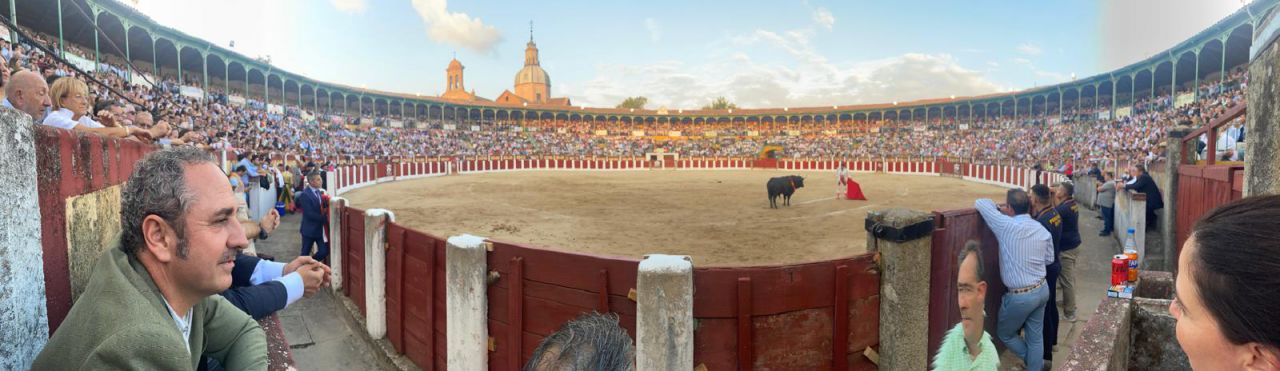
(1025, 249)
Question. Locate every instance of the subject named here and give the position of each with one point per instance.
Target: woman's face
(77, 102)
(1198, 332)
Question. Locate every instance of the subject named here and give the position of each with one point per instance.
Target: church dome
(533, 74)
(454, 64)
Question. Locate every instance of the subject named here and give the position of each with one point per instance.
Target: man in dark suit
(1142, 182)
(1095, 172)
(312, 202)
(1042, 211)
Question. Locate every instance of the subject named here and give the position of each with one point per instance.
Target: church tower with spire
(532, 82)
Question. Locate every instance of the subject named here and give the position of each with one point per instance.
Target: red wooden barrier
(68, 165)
(353, 256)
(1200, 189)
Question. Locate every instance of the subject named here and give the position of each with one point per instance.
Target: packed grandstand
(756, 298)
(239, 123)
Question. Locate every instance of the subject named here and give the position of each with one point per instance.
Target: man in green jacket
(152, 304)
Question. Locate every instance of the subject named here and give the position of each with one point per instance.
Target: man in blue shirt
(1025, 249)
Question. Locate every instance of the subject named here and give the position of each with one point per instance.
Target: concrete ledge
(1104, 342)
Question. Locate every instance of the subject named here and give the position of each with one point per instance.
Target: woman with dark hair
(1228, 288)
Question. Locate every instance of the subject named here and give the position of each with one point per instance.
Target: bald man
(26, 91)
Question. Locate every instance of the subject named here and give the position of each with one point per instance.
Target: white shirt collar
(183, 323)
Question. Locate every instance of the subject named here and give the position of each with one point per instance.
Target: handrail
(1211, 128)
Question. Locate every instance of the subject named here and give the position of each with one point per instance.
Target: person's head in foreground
(592, 342)
(1016, 202)
(1228, 288)
(178, 219)
(971, 292)
(967, 346)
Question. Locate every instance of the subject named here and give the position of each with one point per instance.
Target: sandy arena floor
(720, 218)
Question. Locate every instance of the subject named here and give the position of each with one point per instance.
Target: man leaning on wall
(152, 302)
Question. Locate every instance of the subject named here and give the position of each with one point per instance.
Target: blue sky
(683, 54)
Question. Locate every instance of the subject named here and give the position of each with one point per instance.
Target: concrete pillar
(1131, 212)
(336, 204)
(331, 181)
(375, 270)
(24, 317)
(1162, 257)
(903, 238)
(664, 313)
(466, 305)
(1262, 157)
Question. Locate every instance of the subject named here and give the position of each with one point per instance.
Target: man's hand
(159, 130)
(270, 221)
(192, 136)
(1006, 210)
(313, 277)
(140, 134)
(300, 262)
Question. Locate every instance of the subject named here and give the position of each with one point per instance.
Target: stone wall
(1262, 175)
(1152, 343)
(1132, 334)
(24, 319)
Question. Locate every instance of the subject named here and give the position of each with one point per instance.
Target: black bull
(783, 186)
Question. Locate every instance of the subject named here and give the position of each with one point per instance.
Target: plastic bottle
(1131, 250)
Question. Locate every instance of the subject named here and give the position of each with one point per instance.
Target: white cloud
(1043, 77)
(655, 30)
(457, 29)
(1030, 49)
(824, 18)
(349, 6)
(810, 79)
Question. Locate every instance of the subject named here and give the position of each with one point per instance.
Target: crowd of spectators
(158, 111)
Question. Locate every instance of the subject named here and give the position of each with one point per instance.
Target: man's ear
(159, 238)
(981, 288)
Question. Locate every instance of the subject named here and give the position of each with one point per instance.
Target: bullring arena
(465, 230)
(718, 217)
